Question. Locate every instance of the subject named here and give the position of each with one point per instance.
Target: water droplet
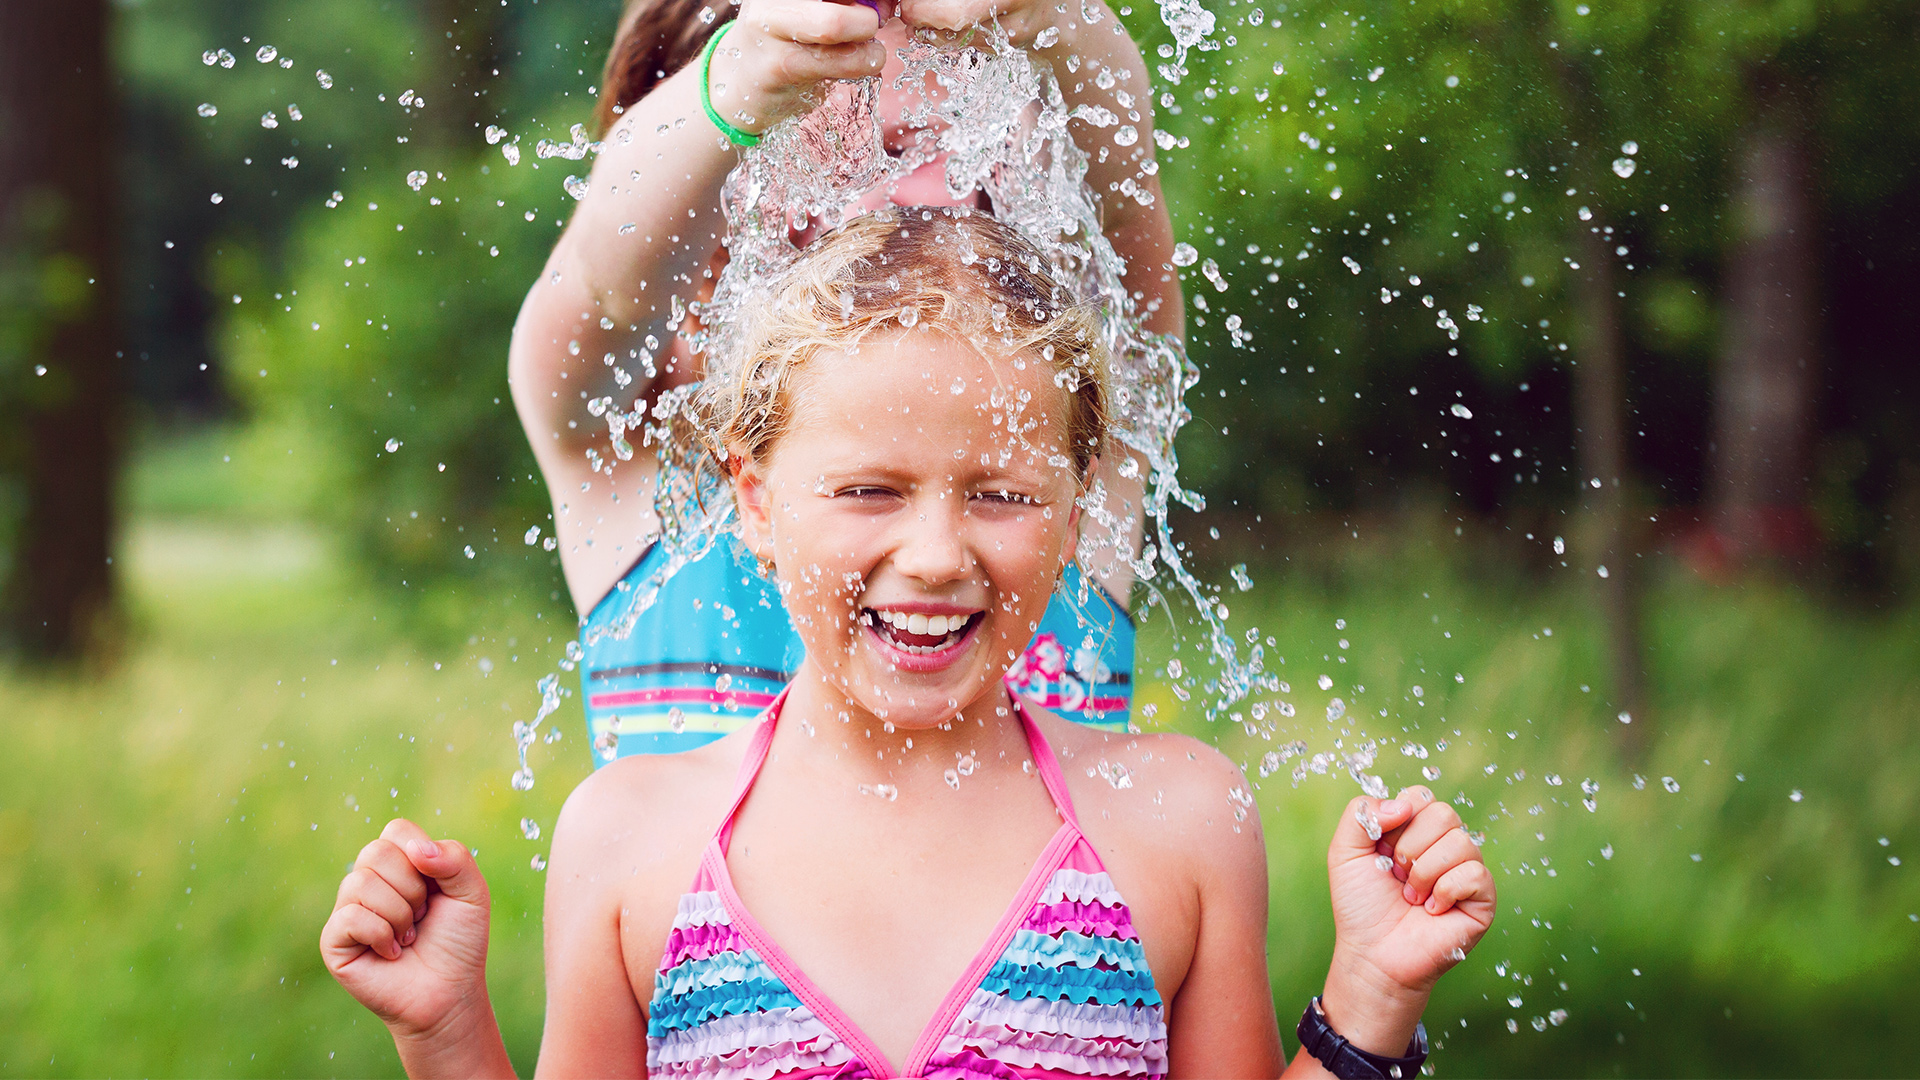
(1461, 411)
(325, 80)
(1670, 783)
(549, 544)
(469, 551)
(1623, 167)
(533, 535)
(216, 198)
(1126, 136)
(1371, 824)
(952, 777)
(523, 780)
(1559, 546)
(1240, 578)
(511, 151)
(207, 109)
(394, 444)
(1431, 772)
(1559, 1016)
(1795, 795)
(909, 317)
(495, 133)
(576, 186)
(39, 369)
(1601, 570)
(1606, 852)
(529, 828)
(676, 720)
(417, 179)
(1326, 682)
(1453, 81)
(1174, 669)
(1185, 254)
(538, 862)
(1629, 148)
(1335, 710)
(266, 54)
(210, 58)
(1539, 1023)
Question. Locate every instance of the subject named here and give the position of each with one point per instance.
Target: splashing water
(1001, 124)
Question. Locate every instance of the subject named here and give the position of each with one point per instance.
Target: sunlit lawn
(175, 822)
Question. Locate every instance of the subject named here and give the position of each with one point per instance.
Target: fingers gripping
(1453, 849)
(353, 930)
(384, 859)
(1468, 885)
(366, 889)
(1428, 824)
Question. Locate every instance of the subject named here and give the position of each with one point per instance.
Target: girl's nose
(932, 546)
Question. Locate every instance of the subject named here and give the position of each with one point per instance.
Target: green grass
(176, 820)
(1786, 948)
(175, 824)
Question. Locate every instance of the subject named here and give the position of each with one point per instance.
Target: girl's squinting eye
(1006, 498)
(862, 491)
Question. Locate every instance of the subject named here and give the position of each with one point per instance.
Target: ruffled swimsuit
(1060, 989)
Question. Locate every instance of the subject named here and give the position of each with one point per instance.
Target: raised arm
(639, 247)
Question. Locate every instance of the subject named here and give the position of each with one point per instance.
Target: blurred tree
(1767, 375)
(61, 378)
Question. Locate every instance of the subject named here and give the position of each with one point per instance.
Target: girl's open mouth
(917, 635)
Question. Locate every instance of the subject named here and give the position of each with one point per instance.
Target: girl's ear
(752, 499)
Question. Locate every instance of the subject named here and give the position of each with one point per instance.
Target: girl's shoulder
(630, 836)
(1160, 797)
(655, 802)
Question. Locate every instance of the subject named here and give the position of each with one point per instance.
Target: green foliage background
(298, 588)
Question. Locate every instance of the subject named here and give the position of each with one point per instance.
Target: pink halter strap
(1043, 760)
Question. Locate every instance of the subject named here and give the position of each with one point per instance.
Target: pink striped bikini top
(1060, 989)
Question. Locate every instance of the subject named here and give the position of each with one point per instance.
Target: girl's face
(918, 511)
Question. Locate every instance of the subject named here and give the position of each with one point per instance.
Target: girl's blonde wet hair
(906, 269)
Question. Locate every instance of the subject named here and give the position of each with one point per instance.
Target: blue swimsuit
(715, 647)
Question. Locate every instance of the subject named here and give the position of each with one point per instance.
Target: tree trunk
(1599, 402)
(57, 210)
(1764, 384)
(464, 38)
(1598, 392)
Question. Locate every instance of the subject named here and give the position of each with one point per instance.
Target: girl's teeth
(917, 623)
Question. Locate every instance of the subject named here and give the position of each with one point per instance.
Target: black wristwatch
(1348, 1062)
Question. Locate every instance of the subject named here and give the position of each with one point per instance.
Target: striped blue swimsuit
(715, 647)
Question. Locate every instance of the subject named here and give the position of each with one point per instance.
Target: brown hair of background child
(656, 38)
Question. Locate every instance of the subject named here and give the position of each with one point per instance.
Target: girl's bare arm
(642, 237)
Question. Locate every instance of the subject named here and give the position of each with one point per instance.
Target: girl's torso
(1057, 985)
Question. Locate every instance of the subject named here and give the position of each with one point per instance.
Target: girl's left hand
(1413, 921)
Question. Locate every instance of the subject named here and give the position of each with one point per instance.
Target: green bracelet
(734, 135)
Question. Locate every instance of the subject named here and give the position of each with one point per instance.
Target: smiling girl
(900, 869)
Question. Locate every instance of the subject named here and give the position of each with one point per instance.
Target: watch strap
(1349, 1062)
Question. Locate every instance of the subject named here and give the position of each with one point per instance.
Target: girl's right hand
(408, 934)
(780, 51)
